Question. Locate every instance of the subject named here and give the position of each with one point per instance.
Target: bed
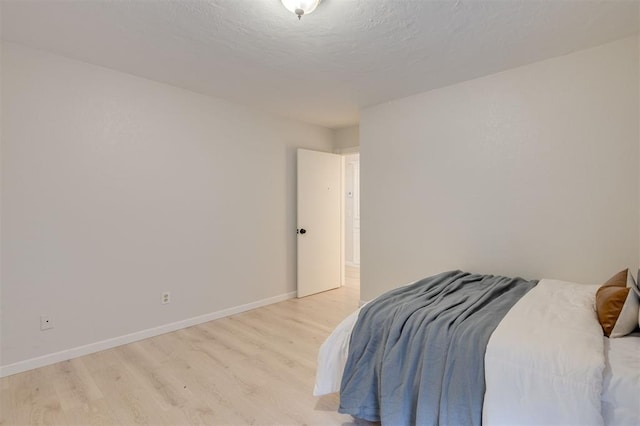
(545, 361)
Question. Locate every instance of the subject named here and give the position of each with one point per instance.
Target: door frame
(345, 152)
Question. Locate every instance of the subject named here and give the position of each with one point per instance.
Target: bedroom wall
(117, 189)
(532, 172)
(1, 150)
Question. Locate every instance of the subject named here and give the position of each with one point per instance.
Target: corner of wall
(346, 140)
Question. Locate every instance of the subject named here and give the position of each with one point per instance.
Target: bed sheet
(621, 393)
(545, 361)
(332, 357)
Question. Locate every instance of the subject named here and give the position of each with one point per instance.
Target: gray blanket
(417, 353)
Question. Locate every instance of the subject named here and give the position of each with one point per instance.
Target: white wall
(117, 188)
(346, 139)
(1, 161)
(531, 172)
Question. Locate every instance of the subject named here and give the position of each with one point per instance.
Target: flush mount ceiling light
(301, 7)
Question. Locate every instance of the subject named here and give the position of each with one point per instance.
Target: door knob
(302, 231)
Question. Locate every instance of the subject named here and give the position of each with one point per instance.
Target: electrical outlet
(166, 298)
(46, 322)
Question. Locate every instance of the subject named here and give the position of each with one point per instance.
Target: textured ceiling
(347, 55)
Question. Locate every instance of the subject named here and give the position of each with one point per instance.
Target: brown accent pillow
(617, 305)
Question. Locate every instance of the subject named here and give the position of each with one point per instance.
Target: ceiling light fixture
(301, 7)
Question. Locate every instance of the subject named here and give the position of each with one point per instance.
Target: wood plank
(74, 385)
(34, 400)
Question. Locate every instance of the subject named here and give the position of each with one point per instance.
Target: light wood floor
(257, 367)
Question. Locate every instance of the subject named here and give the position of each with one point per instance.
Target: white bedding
(545, 360)
(621, 394)
(332, 357)
(544, 363)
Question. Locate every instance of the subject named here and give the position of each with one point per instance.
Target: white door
(319, 221)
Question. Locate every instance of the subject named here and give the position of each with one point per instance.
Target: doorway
(352, 220)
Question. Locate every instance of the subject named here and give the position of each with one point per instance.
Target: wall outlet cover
(46, 322)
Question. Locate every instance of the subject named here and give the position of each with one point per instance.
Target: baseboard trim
(44, 360)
